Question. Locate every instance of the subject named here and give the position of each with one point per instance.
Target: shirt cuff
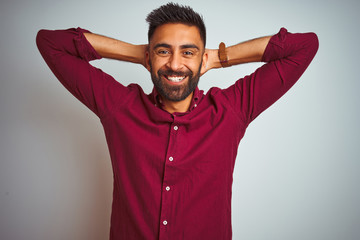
(275, 47)
(83, 47)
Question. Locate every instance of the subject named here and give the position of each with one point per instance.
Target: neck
(180, 106)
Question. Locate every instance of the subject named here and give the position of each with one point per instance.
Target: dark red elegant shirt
(173, 173)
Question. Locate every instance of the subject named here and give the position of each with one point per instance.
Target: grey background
(297, 172)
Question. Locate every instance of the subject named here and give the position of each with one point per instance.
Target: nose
(175, 62)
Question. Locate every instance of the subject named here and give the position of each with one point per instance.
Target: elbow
(313, 43)
(45, 43)
(45, 39)
(41, 38)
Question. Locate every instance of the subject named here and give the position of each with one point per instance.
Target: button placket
(168, 181)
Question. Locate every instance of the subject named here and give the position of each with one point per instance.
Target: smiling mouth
(175, 79)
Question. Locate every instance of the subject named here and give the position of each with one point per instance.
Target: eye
(163, 52)
(188, 53)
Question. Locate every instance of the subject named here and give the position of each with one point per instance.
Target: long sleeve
(287, 56)
(67, 53)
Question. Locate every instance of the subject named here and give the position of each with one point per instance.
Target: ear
(147, 60)
(204, 67)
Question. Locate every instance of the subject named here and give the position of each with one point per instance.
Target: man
(173, 151)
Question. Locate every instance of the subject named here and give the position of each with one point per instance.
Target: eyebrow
(189, 46)
(165, 45)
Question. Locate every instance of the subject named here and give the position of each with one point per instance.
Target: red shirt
(173, 173)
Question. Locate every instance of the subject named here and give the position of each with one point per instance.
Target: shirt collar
(156, 98)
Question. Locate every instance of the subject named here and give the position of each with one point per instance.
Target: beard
(172, 92)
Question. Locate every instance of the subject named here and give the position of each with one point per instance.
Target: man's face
(175, 58)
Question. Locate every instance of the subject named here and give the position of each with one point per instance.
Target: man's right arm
(68, 52)
(115, 49)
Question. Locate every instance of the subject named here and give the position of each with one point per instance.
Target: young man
(173, 151)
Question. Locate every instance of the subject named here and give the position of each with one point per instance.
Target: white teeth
(175, 79)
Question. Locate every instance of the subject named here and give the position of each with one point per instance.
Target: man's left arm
(245, 52)
(287, 55)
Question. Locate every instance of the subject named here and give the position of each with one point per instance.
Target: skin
(178, 51)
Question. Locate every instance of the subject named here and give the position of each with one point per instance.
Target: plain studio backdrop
(297, 171)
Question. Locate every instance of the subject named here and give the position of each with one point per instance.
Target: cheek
(193, 63)
(157, 63)
(196, 67)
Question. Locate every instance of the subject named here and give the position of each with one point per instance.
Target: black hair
(175, 13)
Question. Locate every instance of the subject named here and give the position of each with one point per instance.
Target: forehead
(176, 34)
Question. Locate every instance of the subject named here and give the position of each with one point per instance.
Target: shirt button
(171, 159)
(165, 222)
(195, 105)
(176, 128)
(167, 188)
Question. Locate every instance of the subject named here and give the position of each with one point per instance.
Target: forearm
(245, 52)
(249, 51)
(115, 49)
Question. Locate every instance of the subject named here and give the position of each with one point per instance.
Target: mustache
(169, 72)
